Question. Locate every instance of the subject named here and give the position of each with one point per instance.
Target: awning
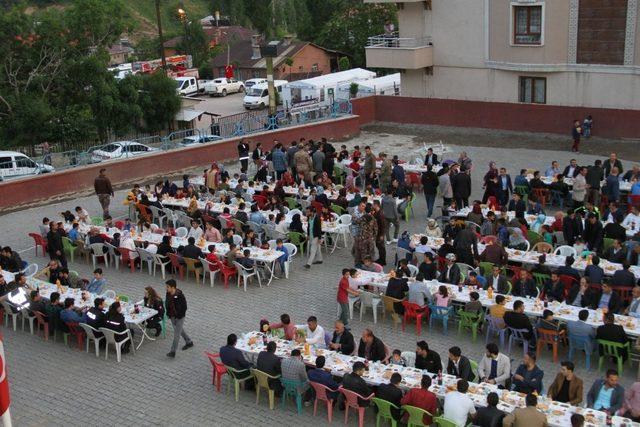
(187, 115)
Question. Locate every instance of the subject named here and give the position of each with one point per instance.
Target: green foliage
(344, 63)
(159, 101)
(195, 43)
(353, 89)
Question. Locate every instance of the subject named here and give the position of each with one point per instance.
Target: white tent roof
(381, 82)
(334, 78)
(187, 114)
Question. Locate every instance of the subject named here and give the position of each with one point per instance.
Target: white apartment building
(557, 52)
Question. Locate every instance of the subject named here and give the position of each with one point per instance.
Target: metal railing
(394, 41)
(222, 128)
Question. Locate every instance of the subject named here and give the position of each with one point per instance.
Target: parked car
(120, 149)
(258, 95)
(223, 86)
(187, 85)
(14, 164)
(196, 139)
(252, 82)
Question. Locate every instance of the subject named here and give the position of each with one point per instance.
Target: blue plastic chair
(292, 388)
(518, 335)
(440, 313)
(581, 343)
(495, 326)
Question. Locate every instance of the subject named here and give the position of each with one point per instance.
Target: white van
(187, 85)
(14, 164)
(258, 95)
(252, 82)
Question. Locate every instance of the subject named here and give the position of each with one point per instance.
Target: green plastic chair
(474, 370)
(97, 220)
(523, 191)
(297, 239)
(470, 320)
(262, 381)
(607, 242)
(384, 411)
(337, 209)
(541, 279)
(68, 247)
(486, 268)
(444, 422)
(233, 375)
(510, 286)
(290, 388)
(534, 237)
(123, 298)
(415, 415)
(339, 174)
(613, 349)
(291, 202)
(409, 209)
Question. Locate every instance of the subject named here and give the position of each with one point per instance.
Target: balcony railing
(403, 53)
(385, 40)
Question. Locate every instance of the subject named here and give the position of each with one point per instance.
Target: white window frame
(512, 12)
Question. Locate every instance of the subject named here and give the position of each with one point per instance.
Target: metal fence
(24, 163)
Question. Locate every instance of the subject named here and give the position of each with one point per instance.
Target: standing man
(430, 159)
(461, 183)
(579, 188)
(344, 292)
(445, 189)
(575, 134)
(390, 213)
(369, 166)
(506, 187)
(595, 174)
(104, 191)
(430, 187)
(382, 232)
(243, 156)
(176, 311)
(314, 237)
(54, 244)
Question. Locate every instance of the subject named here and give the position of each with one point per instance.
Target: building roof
(187, 114)
(218, 35)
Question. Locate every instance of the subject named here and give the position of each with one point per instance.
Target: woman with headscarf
(212, 177)
(516, 239)
(350, 184)
(539, 222)
(296, 224)
(433, 229)
(364, 243)
(490, 182)
(475, 215)
(342, 198)
(126, 242)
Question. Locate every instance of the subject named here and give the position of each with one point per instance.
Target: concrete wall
(518, 117)
(21, 192)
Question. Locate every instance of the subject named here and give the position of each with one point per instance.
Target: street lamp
(183, 18)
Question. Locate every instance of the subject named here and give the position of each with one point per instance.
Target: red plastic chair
(542, 194)
(260, 200)
(351, 401)
(217, 369)
(78, 333)
(227, 272)
(413, 179)
(414, 311)
(125, 257)
(177, 266)
(41, 323)
(625, 292)
(321, 394)
(39, 241)
(488, 238)
(568, 283)
(493, 204)
(119, 225)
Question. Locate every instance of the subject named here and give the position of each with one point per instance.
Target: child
(442, 296)
(547, 235)
(285, 254)
(579, 246)
(397, 359)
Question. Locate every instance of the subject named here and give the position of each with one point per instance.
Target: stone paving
(56, 385)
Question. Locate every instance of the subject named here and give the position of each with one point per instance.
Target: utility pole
(160, 38)
(270, 86)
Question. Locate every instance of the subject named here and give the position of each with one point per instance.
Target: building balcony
(399, 53)
(398, 1)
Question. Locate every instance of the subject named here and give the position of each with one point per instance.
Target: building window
(314, 67)
(527, 27)
(533, 90)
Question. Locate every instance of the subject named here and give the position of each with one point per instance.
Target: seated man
(342, 340)
(313, 333)
(490, 416)
(234, 358)
(270, 364)
(422, 398)
(528, 376)
(494, 367)
(97, 284)
(616, 252)
(581, 329)
(321, 376)
(392, 393)
(623, 277)
(606, 298)
(516, 319)
(72, 314)
(568, 270)
(192, 251)
(553, 288)
(426, 358)
(497, 281)
(524, 286)
(498, 310)
(606, 394)
(293, 369)
(612, 332)
(567, 387)
(371, 347)
(354, 382)
(458, 406)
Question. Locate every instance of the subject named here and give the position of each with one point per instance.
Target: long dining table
(558, 414)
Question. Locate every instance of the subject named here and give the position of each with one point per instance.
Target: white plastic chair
(413, 270)
(31, 270)
(91, 336)
(352, 301)
(146, 256)
(409, 357)
(8, 311)
(158, 262)
(245, 274)
(26, 315)
(293, 250)
(110, 336)
(98, 250)
(181, 232)
(237, 240)
(154, 227)
(113, 254)
(206, 269)
(272, 244)
(565, 251)
(292, 212)
(158, 215)
(368, 299)
(109, 294)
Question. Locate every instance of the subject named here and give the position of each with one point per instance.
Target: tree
(353, 89)
(343, 63)
(195, 43)
(288, 61)
(159, 101)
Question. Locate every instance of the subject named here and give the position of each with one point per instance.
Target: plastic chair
(113, 253)
(368, 299)
(233, 375)
(322, 395)
(123, 298)
(31, 270)
(413, 270)
(444, 422)
(542, 247)
(470, 320)
(549, 337)
(389, 307)
(533, 238)
(8, 311)
(98, 251)
(192, 265)
(485, 268)
(408, 211)
(565, 251)
(125, 257)
(414, 311)
(474, 370)
(38, 240)
(148, 257)
(97, 220)
(351, 401)
(217, 369)
(227, 272)
(42, 324)
(76, 331)
(409, 357)
(496, 325)
(517, 335)
(293, 250)
(338, 209)
(540, 279)
(91, 336)
(109, 294)
(292, 388)
(384, 411)
(291, 202)
(69, 248)
(176, 264)
(613, 349)
(181, 232)
(262, 382)
(28, 316)
(297, 239)
(245, 274)
(210, 268)
(440, 313)
(158, 261)
(416, 415)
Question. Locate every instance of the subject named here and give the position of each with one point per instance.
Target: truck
(223, 86)
(187, 85)
(321, 90)
(258, 95)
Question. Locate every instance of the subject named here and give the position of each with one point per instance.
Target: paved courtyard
(56, 385)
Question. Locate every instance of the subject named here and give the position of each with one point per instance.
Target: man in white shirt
(634, 308)
(458, 407)
(632, 220)
(553, 170)
(195, 231)
(422, 247)
(314, 333)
